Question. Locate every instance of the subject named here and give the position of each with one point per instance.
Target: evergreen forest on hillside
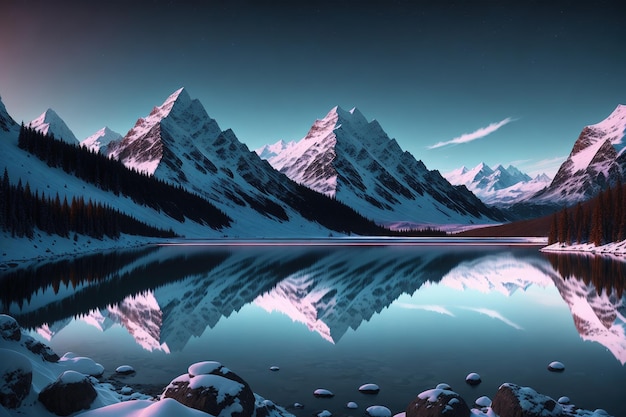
(111, 175)
(21, 212)
(600, 220)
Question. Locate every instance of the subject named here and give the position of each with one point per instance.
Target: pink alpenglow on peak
(49, 123)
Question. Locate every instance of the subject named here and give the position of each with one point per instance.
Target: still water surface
(404, 317)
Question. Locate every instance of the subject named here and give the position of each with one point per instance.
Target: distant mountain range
(344, 176)
(500, 186)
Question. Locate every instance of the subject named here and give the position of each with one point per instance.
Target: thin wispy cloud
(433, 308)
(495, 315)
(477, 134)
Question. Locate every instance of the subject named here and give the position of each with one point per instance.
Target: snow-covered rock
(514, 400)
(72, 391)
(214, 389)
(16, 375)
(438, 402)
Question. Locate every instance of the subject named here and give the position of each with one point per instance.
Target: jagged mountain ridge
(43, 179)
(178, 142)
(49, 123)
(100, 141)
(597, 161)
(345, 156)
(500, 186)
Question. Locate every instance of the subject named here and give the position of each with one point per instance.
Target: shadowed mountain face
(166, 296)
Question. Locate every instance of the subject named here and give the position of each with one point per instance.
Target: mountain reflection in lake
(404, 317)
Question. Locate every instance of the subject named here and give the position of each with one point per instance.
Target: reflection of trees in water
(105, 271)
(605, 273)
(18, 285)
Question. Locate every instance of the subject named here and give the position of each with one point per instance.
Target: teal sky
(429, 71)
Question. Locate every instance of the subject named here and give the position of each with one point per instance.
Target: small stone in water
(298, 405)
(126, 390)
(274, 368)
(323, 393)
(369, 389)
(473, 379)
(556, 366)
(443, 385)
(378, 411)
(352, 405)
(483, 401)
(324, 413)
(125, 369)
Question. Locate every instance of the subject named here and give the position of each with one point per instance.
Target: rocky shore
(34, 380)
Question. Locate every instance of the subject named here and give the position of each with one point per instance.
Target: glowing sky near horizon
(430, 72)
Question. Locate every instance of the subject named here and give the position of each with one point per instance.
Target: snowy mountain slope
(49, 123)
(597, 160)
(501, 186)
(99, 141)
(345, 156)
(178, 142)
(42, 179)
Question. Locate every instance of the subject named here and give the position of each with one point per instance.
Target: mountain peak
(49, 123)
(100, 140)
(6, 121)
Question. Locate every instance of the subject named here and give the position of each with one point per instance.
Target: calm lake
(333, 316)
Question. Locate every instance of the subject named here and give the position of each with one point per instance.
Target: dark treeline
(607, 275)
(111, 175)
(102, 285)
(21, 212)
(600, 220)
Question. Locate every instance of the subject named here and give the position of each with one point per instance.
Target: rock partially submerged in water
(323, 393)
(125, 370)
(473, 378)
(513, 400)
(556, 366)
(438, 402)
(214, 389)
(369, 389)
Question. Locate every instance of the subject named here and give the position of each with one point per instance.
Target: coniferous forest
(600, 220)
(111, 175)
(21, 212)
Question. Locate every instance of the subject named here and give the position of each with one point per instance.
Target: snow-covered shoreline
(617, 249)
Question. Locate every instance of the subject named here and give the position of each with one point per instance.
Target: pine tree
(552, 235)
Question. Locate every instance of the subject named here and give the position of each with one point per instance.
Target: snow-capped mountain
(501, 186)
(346, 157)
(596, 161)
(99, 141)
(49, 123)
(7, 124)
(179, 143)
(41, 178)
